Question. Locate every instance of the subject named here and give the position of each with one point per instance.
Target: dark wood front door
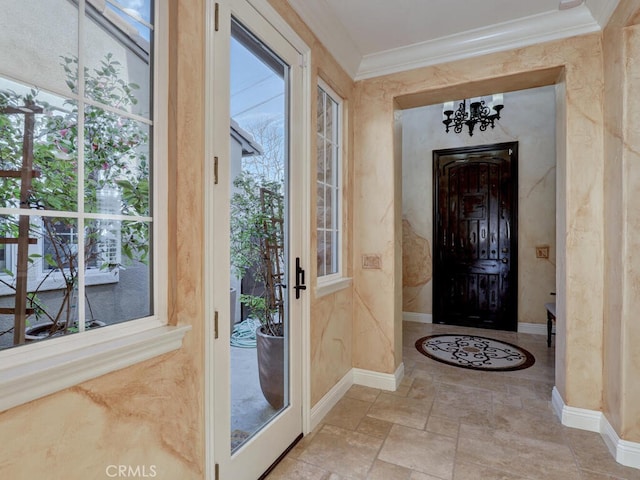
(475, 236)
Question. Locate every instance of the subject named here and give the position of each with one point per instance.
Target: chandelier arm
(478, 113)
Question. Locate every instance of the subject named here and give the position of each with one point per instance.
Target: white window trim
(327, 284)
(331, 284)
(29, 372)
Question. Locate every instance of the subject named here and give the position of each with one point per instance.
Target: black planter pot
(270, 352)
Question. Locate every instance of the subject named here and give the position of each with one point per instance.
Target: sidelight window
(329, 198)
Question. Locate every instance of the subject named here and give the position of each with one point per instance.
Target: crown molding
(589, 17)
(330, 32)
(504, 36)
(602, 10)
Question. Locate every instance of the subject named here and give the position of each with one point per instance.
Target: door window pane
(259, 172)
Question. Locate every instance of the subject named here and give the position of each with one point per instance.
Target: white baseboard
(326, 403)
(357, 376)
(573, 417)
(534, 328)
(625, 452)
(417, 317)
(383, 381)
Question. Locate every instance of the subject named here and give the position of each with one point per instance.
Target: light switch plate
(371, 261)
(542, 251)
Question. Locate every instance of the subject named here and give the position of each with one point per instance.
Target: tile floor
(447, 423)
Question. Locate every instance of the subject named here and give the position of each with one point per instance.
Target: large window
(76, 136)
(329, 167)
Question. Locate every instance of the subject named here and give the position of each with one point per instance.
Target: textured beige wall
(331, 341)
(529, 119)
(630, 327)
(138, 417)
(561, 226)
(622, 183)
(331, 327)
(376, 222)
(152, 413)
(377, 292)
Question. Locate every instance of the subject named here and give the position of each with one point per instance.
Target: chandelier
(475, 111)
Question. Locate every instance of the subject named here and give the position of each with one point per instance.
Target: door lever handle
(299, 279)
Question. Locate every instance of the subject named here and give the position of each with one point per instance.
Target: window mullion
(325, 210)
(80, 304)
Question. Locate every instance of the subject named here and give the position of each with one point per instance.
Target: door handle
(505, 260)
(299, 279)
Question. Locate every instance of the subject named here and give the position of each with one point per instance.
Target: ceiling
(376, 37)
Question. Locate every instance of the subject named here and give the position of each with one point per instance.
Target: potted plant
(116, 175)
(257, 255)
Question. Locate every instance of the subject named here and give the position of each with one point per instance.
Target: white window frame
(29, 372)
(333, 282)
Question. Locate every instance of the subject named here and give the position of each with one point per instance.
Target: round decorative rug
(478, 353)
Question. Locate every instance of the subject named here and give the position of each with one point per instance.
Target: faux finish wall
(621, 43)
(580, 238)
(529, 119)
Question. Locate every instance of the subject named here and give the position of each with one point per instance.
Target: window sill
(332, 286)
(32, 371)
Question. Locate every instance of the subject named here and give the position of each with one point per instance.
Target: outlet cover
(542, 251)
(371, 261)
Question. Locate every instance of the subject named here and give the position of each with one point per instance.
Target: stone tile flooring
(449, 423)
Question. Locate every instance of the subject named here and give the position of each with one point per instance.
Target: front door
(475, 236)
(259, 256)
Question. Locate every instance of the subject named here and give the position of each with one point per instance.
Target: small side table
(551, 318)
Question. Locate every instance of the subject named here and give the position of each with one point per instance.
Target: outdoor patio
(249, 409)
(111, 302)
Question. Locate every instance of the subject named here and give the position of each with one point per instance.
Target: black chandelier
(476, 112)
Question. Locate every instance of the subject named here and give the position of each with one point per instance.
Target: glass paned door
(258, 226)
(258, 126)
